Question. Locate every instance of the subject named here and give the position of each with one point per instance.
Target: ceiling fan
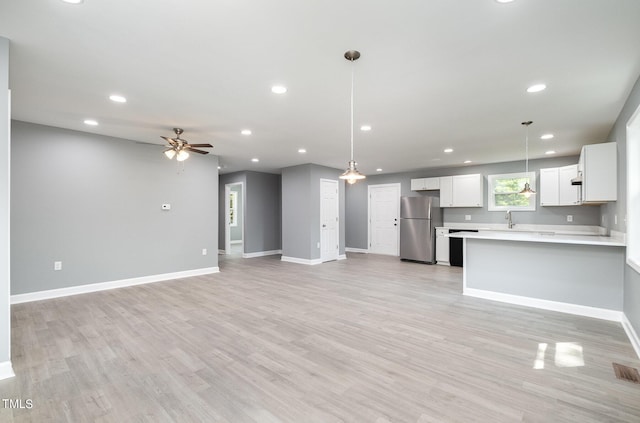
(180, 148)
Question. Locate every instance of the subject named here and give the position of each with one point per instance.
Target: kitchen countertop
(541, 236)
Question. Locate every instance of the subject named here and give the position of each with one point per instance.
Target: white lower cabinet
(442, 246)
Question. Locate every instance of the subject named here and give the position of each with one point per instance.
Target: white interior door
(384, 219)
(329, 234)
(227, 218)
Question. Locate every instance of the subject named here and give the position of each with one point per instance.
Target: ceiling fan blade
(188, 148)
(201, 145)
(169, 140)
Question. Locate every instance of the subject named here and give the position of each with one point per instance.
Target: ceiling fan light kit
(180, 148)
(352, 175)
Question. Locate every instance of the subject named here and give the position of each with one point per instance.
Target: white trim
(301, 261)
(6, 370)
(631, 333)
(342, 257)
(227, 226)
(223, 252)
(261, 253)
(236, 241)
(632, 136)
(103, 286)
(579, 310)
(397, 185)
(356, 250)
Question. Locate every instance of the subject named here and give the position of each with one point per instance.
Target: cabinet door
(442, 245)
(568, 194)
(467, 190)
(432, 183)
(417, 184)
(549, 192)
(599, 172)
(446, 191)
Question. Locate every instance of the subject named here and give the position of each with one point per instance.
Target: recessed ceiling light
(448, 150)
(91, 122)
(365, 128)
(73, 1)
(246, 132)
(255, 160)
(278, 89)
(536, 88)
(219, 167)
(117, 98)
(546, 137)
(302, 150)
(379, 170)
(467, 161)
(503, 1)
(550, 152)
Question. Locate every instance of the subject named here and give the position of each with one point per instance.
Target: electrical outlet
(467, 217)
(204, 251)
(318, 245)
(615, 219)
(569, 218)
(57, 265)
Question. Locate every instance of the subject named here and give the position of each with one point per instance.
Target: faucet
(508, 217)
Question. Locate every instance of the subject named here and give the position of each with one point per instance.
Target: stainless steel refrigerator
(419, 217)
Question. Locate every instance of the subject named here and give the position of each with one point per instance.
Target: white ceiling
(433, 74)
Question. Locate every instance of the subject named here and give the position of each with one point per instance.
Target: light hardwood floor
(368, 339)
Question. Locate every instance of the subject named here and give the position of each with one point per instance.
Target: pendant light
(527, 191)
(351, 174)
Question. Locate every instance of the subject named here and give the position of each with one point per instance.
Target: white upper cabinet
(556, 188)
(549, 187)
(446, 191)
(598, 164)
(569, 194)
(461, 191)
(425, 184)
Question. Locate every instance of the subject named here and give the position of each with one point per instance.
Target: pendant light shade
(170, 153)
(352, 175)
(527, 191)
(182, 156)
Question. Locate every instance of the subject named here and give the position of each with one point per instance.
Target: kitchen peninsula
(579, 274)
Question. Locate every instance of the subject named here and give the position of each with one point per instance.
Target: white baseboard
(261, 254)
(102, 286)
(631, 333)
(443, 263)
(6, 370)
(238, 241)
(301, 261)
(223, 252)
(580, 310)
(356, 250)
(342, 257)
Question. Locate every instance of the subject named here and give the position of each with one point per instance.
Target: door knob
(324, 226)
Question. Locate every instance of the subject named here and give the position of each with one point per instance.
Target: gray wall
(262, 214)
(357, 204)
(301, 210)
(619, 208)
(236, 231)
(5, 161)
(93, 202)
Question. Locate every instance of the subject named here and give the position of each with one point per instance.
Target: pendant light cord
(352, 79)
(526, 148)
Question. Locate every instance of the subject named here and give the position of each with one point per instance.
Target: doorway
(234, 218)
(384, 219)
(329, 229)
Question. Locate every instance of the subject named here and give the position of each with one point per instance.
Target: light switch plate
(569, 218)
(57, 265)
(467, 217)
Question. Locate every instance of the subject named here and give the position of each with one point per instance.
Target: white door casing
(384, 219)
(227, 217)
(329, 232)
